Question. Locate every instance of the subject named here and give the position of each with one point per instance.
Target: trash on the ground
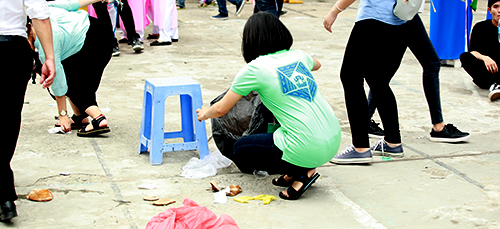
(197, 169)
(233, 190)
(41, 195)
(386, 158)
(266, 199)
(191, 215)
(58, 130)
(259, 174)
(65, 173)
(220, 197)
(147, 186)
(214, 186)
(163, 202)
(150, 198)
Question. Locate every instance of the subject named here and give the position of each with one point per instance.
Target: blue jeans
(271, 6)
(258, 152)
(223, 8)
(420, 45)
(181, 3)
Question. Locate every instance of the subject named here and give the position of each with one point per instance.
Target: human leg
(257, 152)
(16, 73)
(222, 7)
(478, 72)
(83, 84)
(268, 6)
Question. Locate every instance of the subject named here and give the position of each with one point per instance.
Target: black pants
(16, 64)
(373, 53)
(84, 69)
(477, 70)
(258, 152)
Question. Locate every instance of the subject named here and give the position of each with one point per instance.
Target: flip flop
(295, 194)
(96, 130)
(280, 181)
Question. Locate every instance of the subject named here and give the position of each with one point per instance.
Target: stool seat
(152, 134)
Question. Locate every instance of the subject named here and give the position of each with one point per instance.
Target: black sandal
(96, 128)
(77, 122)
(280, 181)
(295, 194)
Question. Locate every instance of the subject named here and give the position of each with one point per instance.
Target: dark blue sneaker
(239, 7)
(350, 156)
(220, 17)
(382, 149)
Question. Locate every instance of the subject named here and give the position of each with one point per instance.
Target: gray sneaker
(382, 149)
(350, 156)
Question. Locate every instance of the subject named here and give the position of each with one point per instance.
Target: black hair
(263, 34)
(491, 2)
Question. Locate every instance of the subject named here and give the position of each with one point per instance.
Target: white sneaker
(494, 92)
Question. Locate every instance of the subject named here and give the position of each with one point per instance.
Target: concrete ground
(436, 185)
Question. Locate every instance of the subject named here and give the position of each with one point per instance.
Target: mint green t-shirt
(309, 135)
(69, 30)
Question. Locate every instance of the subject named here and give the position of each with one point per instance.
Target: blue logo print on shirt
(297, 80)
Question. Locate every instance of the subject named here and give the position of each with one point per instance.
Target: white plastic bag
(197, 169)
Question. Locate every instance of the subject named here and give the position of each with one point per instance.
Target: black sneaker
(137, 45)
(374, 130)
(449, 134)
(116, 50)
(494, 92)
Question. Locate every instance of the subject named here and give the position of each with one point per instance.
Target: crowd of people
(309, 133)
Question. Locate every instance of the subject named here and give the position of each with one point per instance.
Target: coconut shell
(233, 190)
(163, 202)
(38, 194)
(151, 198)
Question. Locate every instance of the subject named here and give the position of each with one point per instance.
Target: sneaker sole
(220, 18)
(352, 161)
(389, 154)
(240, 9)
(494, 95)
(461, 139)
(138, 48)
(116, 53)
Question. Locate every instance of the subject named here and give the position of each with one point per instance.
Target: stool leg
(145, 121)
(158, 132)
(201, 132)
(187, 118)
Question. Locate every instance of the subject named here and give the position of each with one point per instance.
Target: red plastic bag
(192, 216)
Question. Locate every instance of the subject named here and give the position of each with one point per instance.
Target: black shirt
(484, 39)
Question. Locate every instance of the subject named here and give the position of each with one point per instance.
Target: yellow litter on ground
(266, 199)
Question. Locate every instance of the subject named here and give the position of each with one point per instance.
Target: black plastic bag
(248, 116)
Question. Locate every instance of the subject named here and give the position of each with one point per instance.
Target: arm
(44, 32)
(317, 65)
(219, 108)
(489, 63)
(330, 18)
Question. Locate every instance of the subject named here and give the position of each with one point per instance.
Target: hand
(201, 113)
(329, 20)
(65, 122)
(490, 64)
(48, 73)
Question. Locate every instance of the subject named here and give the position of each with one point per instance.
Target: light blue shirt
(69, 30)
(380, 10)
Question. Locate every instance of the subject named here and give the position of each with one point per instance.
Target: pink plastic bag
(191, 216)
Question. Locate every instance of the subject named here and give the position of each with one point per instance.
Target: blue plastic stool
(152, 134)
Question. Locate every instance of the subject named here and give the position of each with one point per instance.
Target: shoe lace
(346, 149)
(494, 86)
(452, 128)
(381, 143)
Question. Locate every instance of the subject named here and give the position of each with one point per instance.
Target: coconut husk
(163, 202)
(41, 195)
